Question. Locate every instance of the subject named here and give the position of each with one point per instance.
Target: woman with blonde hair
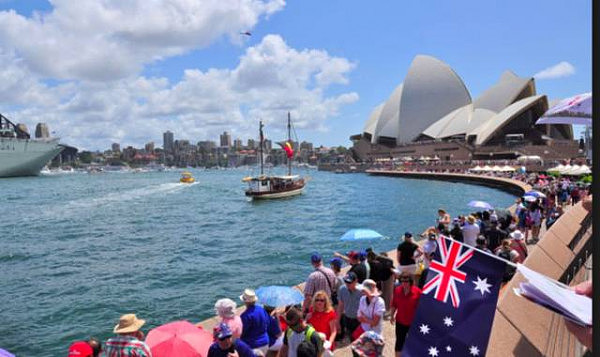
(323, 318)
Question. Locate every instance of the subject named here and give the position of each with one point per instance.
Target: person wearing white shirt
(470, 232)
(370, 309)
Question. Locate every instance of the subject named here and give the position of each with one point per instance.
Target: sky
(110, 71)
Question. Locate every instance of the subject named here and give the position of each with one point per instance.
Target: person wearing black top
(407, 252)
(456, 232)
(494, 236)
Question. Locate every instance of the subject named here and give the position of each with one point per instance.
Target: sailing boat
(268, 187)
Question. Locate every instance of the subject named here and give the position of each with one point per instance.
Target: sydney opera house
(432, 114)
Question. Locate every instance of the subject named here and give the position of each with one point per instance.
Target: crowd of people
(350, 308)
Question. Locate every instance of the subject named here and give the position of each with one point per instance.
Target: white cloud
(113, 39)
(562, 69)
(270, 79)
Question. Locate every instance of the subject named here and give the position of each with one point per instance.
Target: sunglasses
(405, 280)
(320, 300)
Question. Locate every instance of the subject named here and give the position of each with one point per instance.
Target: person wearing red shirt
(404, 305)
(323, 318)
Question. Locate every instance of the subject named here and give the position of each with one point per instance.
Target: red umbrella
(179, 338)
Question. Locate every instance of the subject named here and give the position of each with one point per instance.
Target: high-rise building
(206, 146)
(225, 139)
(41, 130)
(168, 141)
(149, 147)
(237, 144)
(116, 147)
(251, 144)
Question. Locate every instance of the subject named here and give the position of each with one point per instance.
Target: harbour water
(79, 250)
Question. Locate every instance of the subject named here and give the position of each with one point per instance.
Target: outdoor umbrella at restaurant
(278, 295)
(480, 204)
(361, 234)
(179, 338)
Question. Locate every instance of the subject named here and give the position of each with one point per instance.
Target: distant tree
(341, 150)
(85, 157)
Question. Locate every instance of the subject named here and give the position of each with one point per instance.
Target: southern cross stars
(433, 352)
(424, 329)
(448, 321)
(482, 285)
(474, 351)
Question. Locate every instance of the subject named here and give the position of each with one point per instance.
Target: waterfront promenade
(514, 332)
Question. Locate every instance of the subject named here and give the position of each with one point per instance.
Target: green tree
(85, 157)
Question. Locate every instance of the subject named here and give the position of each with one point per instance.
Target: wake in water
(85, 204)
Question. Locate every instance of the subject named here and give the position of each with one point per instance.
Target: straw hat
(248, 296)
(471, 219)
(128, 323)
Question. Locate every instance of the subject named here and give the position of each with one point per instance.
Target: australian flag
(456, 310)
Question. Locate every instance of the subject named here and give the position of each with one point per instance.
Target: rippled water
(79, 250)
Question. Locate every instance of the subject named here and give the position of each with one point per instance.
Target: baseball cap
(353, 254)
(337, 262)
(350, 277)
(315, 257)
(407, 234)
(80, 349)
(223, 331)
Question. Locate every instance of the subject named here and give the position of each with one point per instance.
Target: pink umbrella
(179, 338)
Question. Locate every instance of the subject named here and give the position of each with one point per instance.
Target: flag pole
(483, 252)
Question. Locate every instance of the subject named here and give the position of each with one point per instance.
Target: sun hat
(371, 286)
(517, 235)
(292, 316)
(350, 277)
(222, 331)
(225, 307)
(248, 296)
(128, 323)
(471, 219)
(337, 262)
(316, 257)
(80, 349)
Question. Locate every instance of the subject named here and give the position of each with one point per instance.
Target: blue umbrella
(277, 295)
(536, 194)
(480, 204)
(360, 234)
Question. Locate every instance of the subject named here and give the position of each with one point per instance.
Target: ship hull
(25, 157)
(273, 195)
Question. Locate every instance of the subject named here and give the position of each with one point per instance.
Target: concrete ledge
(509, 185)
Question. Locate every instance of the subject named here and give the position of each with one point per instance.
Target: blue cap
(337, 262)
(315, 257)
(362, 255)
(407, 234)
(223, 331)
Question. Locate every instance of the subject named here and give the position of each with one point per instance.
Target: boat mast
(260, 146)
(290, 142)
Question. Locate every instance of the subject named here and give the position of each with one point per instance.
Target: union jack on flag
(444, 284)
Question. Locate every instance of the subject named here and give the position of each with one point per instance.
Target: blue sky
(108, 72)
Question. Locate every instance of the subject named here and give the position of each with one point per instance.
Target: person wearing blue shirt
(255, 324)
(225, 344)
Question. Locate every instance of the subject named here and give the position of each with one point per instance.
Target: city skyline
(130, 76)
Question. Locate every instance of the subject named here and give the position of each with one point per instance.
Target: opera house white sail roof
(434, 103)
